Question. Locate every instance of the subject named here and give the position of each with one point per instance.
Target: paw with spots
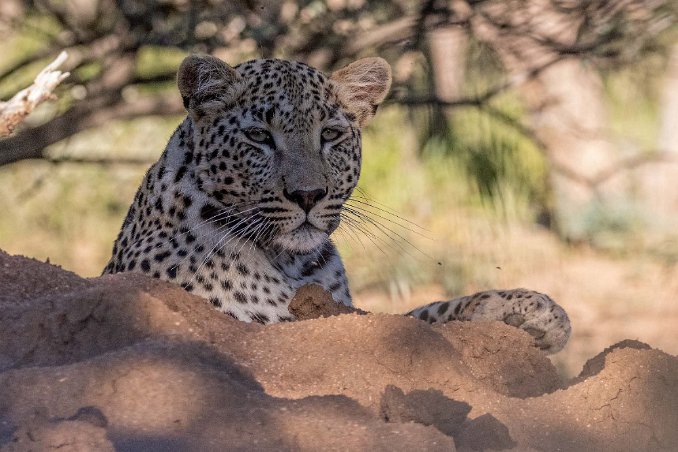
(534, 312)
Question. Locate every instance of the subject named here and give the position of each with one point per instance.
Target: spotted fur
(240, 206)
(531, 311)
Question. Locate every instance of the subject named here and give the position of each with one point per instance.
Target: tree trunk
(668, 134)
(658, 181)
(447, 54)
(448, 60)
(569, 117)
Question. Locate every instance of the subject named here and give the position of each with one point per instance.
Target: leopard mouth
(307, 226)
(303, 239)
(308, 231)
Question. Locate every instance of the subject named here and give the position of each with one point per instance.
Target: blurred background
(527, 143)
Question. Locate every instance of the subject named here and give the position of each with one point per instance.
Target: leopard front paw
(534, 312)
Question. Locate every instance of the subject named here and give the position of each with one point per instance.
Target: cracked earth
(128, 363)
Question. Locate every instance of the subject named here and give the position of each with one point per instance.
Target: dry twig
(15, 110)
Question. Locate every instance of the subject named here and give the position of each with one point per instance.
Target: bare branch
(631, 163)
(14, 111)
(397, 30)
(103, 161)
(483, 98)
(96, 112)
(25, 62)
(472, 101)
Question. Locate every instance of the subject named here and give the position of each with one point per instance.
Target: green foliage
(72, 213)
(445, 186)
(29, 38)
(492, 155)
(438, 198)
(67, 214)
(155, 60)
(633, 97)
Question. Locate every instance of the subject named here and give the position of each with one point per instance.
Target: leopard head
(276, 145)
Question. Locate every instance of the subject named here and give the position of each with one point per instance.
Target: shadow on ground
(125, 362)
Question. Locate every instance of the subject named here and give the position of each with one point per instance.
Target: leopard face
(276, 145)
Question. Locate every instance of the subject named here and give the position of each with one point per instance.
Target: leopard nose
(306, 199)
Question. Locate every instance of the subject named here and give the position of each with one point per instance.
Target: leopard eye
(330, 134)
(259, 136)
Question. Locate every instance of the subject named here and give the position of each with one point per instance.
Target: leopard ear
(362, 86)
(207, 83)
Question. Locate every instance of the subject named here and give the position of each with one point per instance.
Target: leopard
(240, 207)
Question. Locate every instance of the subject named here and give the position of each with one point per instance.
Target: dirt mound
(312, 302)
(126, 362)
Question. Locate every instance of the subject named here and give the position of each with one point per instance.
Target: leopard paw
(533, 312)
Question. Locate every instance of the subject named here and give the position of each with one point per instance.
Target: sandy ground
(125, 362)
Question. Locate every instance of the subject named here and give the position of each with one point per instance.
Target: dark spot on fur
(172, 272)
(242, 269)
(215, 302)
(259, 318)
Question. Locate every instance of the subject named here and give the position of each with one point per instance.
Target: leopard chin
(302, 240)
